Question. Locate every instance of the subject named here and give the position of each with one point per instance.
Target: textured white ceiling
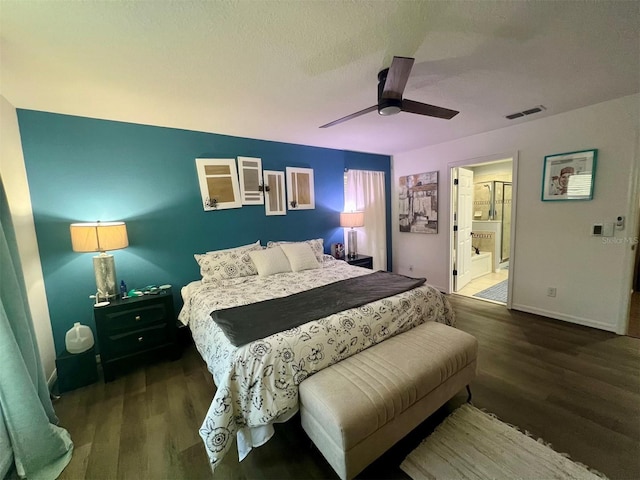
(277, 70)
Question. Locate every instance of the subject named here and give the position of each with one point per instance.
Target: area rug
(497, 292)
(470, 444)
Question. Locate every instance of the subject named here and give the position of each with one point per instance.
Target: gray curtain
(29, 437)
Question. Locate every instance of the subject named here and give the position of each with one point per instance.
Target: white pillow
(300, 256)
(222, 265)
(270, 261)
(317, 245)
(250, 246)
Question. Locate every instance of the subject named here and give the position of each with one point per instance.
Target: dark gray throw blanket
(251, 322)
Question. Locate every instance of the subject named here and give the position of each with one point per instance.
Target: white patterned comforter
(257, 383)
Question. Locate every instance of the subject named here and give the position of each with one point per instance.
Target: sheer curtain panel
(364, 191)
(29, 436)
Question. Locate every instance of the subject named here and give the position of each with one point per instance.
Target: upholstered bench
(358, 408)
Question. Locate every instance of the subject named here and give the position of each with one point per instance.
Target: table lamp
(100, 237)
(352, 219)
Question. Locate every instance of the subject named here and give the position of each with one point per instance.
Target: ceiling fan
(391, 84)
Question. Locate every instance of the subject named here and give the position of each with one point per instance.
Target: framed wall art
(274, 203)
(569, 176)
(300, 189)
(218, 180)
(419, 203)
(250, 170)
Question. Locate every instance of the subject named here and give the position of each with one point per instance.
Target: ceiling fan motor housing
(391, 84)
(387, 106)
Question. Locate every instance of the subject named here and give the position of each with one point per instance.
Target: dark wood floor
(575, 387)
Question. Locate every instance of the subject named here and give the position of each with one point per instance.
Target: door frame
(514, 183)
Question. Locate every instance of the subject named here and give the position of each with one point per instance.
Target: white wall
(14, 177)
(553, 242)
(494, 171)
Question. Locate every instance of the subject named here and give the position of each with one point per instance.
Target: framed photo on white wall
(569, 176)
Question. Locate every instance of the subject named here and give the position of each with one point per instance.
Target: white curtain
(364, 191)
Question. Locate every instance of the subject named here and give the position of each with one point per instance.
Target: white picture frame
(251, 181)
(300, 189)
(218, 181)
(274, 196)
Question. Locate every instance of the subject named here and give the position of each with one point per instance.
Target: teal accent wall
(81, 169)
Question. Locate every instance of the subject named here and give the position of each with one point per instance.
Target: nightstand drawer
(134, 329)
(135, 318)
(138, 340)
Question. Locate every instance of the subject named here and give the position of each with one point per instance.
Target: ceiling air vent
(529, 111)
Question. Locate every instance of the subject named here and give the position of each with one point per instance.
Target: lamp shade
(99, 236)
(352, 219)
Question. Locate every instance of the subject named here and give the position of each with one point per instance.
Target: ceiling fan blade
(397, 77)
(349, 117)
(426, 109)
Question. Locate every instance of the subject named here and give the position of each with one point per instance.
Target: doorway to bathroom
(482, 209)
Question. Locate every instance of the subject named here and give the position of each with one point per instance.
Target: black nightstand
(360, 261)
(135, 328)
(76, 370)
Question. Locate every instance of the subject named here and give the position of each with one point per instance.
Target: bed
(257, 382)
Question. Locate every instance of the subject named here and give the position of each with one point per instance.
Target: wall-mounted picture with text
(569, 176)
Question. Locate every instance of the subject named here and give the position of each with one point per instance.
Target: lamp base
(104, 267)
(353, 243)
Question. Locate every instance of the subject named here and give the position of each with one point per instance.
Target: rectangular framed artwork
(569, 176)
(419, 203)
(218, 180)
(300, 189)
(250, 170)
(274, 203)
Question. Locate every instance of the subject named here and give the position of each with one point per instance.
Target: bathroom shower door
(507, 195)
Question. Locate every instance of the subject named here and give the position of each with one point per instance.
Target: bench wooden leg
(468, 394)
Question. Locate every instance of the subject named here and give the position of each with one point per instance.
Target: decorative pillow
(227, 264)
(300, 256)
(270, 261)
(242, 247)
(317, 245)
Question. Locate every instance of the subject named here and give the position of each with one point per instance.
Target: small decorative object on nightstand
(361, 261)
(134, 328)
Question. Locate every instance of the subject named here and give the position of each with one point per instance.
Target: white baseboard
(566, 318)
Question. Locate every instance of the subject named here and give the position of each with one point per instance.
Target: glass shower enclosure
(501, 210)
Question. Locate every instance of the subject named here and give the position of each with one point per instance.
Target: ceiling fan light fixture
(389, 106)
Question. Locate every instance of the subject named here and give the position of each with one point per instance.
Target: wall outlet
(551, 291)
(411, 268)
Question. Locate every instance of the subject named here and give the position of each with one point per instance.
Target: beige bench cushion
(359, 395)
